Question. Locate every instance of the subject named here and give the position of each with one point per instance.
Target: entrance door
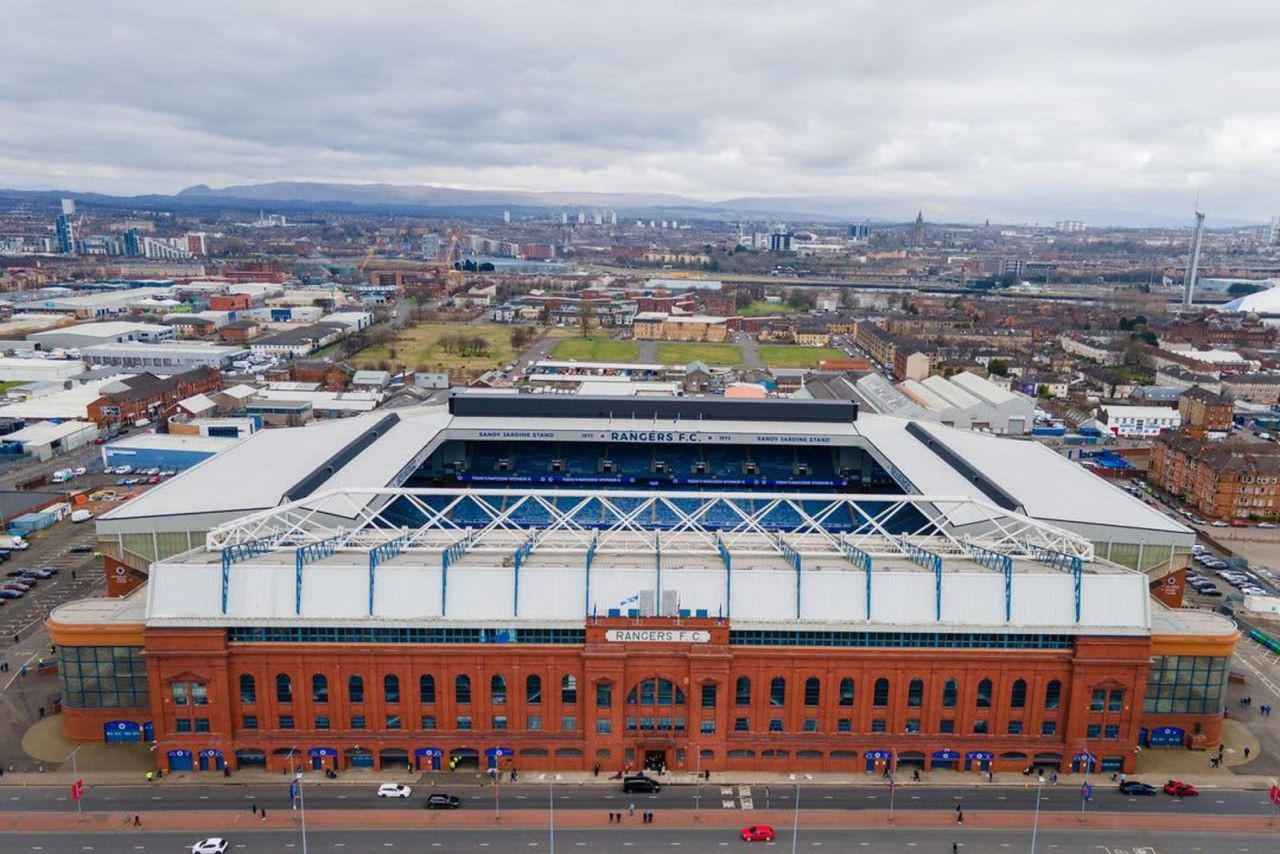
(655, 760)
(317, 762)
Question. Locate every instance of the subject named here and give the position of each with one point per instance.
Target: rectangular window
(1098, 700)
(428, 721)
(533, 723)
(878, 725)
(708, 696)
(1049, 728)
(775, 724)
(286, 722)
(740, 725)
(707, 727)
(464, 722)
(1015, 727)
(357, 721)
(249, 722)
(810, 724)
(947, 726)
(1093, 731)
(202, 724)
(604, 696)
(200, 694)
(322, 722)
(1115, 700)
(179, 692)
(913, 725)
(1112, 731)
(393, 722)
(844, 725)
(499, 722)
(604, 726)
(568, 723)
(980, 727)
(184, 725)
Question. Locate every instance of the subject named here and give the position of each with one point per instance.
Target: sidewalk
(226, 821)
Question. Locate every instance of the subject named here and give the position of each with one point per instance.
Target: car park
(1136, 787)
(441, 801)
(758, 833)
(210, 846)
(394, 790)
(640, 783)
(1179, 789)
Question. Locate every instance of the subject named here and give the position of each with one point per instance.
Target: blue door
(181, 760)
(148, 731)
(121, 732)
(211, 760)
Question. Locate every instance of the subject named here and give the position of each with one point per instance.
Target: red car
(1179, 789)
(1238, 523)
(758, 833)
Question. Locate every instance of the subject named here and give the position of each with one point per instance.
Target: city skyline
(994, 111)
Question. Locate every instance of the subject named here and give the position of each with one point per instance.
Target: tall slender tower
(1193, 262)
(919, 232)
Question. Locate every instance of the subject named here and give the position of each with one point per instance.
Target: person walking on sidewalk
(631, 809)
(253, 807)
(137, 821)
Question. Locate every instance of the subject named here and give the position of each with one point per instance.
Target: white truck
(81, 515)
(62, 476)
(13, 542)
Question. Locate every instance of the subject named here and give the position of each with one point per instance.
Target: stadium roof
(924, 458)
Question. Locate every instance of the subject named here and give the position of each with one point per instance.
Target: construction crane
(1193, 260)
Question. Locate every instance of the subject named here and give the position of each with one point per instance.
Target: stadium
(683, 583)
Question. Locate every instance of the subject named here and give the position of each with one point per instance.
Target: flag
(293, 790)
(631, 600)
(77, 790)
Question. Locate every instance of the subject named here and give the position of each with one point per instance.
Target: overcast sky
(1008, 110)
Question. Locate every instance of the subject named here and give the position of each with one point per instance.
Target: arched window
(533, 689)
(742, 692)
(1018, 696)
(569, 689)
(498, 690)
(319, 688)
(355, 689)
(391, 688)
(778, 691)
(426, 688)
(915, 693)
(984, 694)
(1052, 694)
(949, 692)
(462, 689)
(248, 689)
(880, 697)
(812, 691)
(284, 688)
(846, 691)
(656, 692)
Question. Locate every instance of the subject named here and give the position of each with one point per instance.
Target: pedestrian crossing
(736, 797)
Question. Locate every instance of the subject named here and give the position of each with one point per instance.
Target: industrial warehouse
(680, 583)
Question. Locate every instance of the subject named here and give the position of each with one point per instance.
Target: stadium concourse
(662, 583)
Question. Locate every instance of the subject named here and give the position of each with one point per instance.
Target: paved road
(341, 795)
(652, 839)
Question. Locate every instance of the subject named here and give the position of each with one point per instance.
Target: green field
(760, 307)
(791, 356)
(422, 347)
(711, 354)
(595, 350)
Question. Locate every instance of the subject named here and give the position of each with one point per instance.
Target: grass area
(760, 307)
(792, 356)
(595, 350)
(420, 346)
(5, 386)
(673, 353)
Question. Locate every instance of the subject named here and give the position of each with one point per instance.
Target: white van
(14, 542)
(81, 515)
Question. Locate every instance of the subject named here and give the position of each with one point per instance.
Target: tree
(586, 312)
(998, 367)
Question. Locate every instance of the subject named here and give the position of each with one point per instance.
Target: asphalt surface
(524, 796)
(653, 839)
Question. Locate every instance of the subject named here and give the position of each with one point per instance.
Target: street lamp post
(302, 809)
(795, 814)
(697, 786)
(76, 776)
(1035, 825)
(551, 809)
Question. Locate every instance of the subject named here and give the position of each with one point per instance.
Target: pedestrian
(631, 809)
(595, 770)
(253, 807)
(137, 821)
(955, 848)
(957, 809)
(15, 638)
(73, 575)
(1246, 753)
(263, 813)
(610, 818)
(960, 817)
(149, 776)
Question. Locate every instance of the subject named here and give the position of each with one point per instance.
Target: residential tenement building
(1205, 414)
(1219, 480)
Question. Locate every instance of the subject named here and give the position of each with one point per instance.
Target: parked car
(80, 548)
(1136, 787)
(6, 593)
(1238, 523)
(1265, 525)
(210, 846)
(79, 471)
(640, 783)
(394, 790)
(18, 586)
(1218, 523)
(39, 572)
(441, 801)
(1179, 789)
(758, 833)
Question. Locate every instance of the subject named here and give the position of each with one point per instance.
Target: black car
(640, 783)
(440, 801)
(38, 572)
(1135, 787)
(83, 548)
